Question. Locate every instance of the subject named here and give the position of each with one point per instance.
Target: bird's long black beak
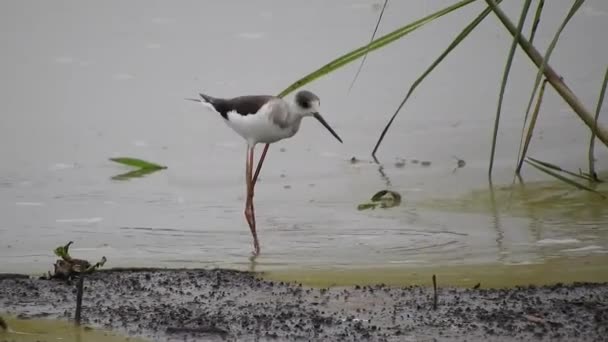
(322, 121)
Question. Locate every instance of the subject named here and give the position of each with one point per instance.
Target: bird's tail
(206, 100)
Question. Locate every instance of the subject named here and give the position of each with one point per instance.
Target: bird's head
(307, 104)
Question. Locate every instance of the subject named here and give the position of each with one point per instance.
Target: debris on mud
(219, 305)
(68, 267)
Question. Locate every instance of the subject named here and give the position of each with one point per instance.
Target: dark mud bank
(224, 305)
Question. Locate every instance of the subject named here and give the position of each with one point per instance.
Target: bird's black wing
(243, 105)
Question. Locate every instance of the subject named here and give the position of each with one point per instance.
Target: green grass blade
(376, 44)
(539, 100)
(505, 77)
(577, 4)
(557, 168)
(463, 34)
(556, 80)
(600, 101)
(564, 179)
(539, 10)
(370, 41)
(138, 163)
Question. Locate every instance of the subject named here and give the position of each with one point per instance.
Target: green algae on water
(31, 330)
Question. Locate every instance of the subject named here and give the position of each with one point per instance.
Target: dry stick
(434, 292)
(80, 290)
(552, 77)
(539, 100)
(592, 173)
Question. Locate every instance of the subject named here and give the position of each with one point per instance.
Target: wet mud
(225, 305)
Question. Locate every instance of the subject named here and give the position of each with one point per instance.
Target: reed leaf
(600, 101)
(531, 126)
(370, 41)
(463, 34)
(539, 10)
(374, 45)
(564, 179)
(556, 81)
(577, 4)
(557, 168)
(505, 77)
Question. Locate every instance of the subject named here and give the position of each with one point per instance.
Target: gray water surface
(86, 81)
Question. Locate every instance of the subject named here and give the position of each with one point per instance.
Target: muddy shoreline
(226, 305)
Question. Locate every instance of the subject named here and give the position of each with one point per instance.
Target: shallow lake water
(83, 82)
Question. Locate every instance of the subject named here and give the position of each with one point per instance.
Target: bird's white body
(273, 122)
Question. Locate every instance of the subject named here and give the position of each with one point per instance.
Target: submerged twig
(531, 126)
(505, 77)
(600, 101)
(370, 41)
(463, 34)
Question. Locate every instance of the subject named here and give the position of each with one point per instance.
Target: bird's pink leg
(259, 168)
(249, 213)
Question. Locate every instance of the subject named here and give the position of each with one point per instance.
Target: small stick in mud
(434, 292)
(80, 290)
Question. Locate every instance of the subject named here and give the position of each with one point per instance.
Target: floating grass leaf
(557, 168)
(562, 178)
(552, 76)
(600, 101)
(383, 199)
(531, 126)
(142, 164)
(134, 174)
(463, 34)
(370, 41)
(505, 77)
(539, 11)
(143, 168)
(374, 45)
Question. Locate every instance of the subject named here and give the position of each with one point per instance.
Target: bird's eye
(305, 104)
